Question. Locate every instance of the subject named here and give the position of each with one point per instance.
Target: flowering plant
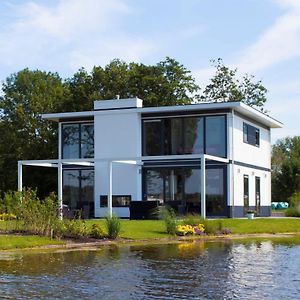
(190, 230)
(6, 216)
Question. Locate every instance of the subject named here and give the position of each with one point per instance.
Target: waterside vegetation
(23, 214)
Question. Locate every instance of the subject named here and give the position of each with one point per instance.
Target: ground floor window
(180, 188)
(246, 193)
(78, 191)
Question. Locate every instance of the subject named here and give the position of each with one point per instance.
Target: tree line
(29, 93)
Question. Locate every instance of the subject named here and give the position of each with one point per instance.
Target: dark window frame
(248, 136)
(79, 138)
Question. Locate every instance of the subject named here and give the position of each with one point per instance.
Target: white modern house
(208, 158)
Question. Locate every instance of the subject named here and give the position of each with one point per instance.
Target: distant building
(175, 155)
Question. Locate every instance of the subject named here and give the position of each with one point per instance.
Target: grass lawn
(148, 229)
(13, 242)
(262, 225)
(135, 229)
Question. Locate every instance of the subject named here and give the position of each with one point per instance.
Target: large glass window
(180, 188)
(78, 191)
(78, 140)
(185, 135)
(215, 136)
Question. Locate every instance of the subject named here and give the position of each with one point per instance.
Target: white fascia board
(56, 117)
(257, 115)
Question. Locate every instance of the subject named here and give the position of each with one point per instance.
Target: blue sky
(259, 37)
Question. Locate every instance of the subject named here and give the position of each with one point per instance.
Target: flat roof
(239, 107)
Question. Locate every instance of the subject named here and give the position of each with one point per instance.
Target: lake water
(192, 270)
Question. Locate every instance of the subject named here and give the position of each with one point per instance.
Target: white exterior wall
(244, 153)
(265, 184)
(117, 136)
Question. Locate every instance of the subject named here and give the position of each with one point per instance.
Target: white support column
(59, 140)
(203, 187)
(60, 189)
(109, 196)
(20, 176)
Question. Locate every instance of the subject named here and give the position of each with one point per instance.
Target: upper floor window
(251, 135)
(185, 135)
(78, 140)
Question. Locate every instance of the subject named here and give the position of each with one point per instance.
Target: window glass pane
(251, 134)
(117, 200)
(245, 133)
(78, 191)
(257, 137)
(87, 187)
(154, 185)
(87, 140)
(176, 136)
(70, 140)
(193, 135)
(192, 190)
(215, 199)
(173, 185)
(71, 187)
(215, 136)
(246, 192)
(152, 137)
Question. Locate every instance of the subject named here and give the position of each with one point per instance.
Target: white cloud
(280, 42)
(68, 34)
(107, 49)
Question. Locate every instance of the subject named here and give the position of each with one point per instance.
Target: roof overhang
(239, 107)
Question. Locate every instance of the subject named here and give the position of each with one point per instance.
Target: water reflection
(190, 270)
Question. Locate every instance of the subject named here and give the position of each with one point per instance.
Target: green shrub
(193, 220)
(97, 232)
(75, 229)
(211, 226)
(169, 218)
(113, 226)
(292, 212)
(10, 202)
(294, 200)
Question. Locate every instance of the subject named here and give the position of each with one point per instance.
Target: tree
(24, 135)
(166, 83)
(285, 168)
(224, 86)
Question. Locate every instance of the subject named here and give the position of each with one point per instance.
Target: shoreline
(94, 245)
